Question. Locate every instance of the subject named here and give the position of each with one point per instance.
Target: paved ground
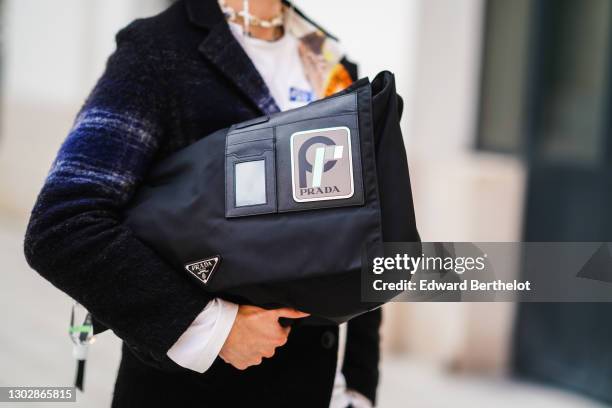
(35, 350)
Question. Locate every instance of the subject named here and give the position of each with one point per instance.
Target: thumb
(290, 313)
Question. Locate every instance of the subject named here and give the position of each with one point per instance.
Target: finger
(280, 338)
(281, 341)
(278, 334)
(290, 313)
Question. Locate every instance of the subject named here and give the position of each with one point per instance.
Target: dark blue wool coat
(173, 79)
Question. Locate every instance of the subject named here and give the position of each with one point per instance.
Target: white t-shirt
(279, 64)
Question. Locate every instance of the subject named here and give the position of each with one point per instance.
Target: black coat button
(328, 339)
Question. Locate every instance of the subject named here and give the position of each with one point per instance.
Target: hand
(256, 334)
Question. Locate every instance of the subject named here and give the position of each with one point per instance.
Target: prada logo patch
(322, 164)
(204, 269)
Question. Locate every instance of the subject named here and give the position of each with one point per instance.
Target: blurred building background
(508, 129)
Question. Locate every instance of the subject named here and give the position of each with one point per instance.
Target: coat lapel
(225, 53)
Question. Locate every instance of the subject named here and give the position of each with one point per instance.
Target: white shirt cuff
(358, 400)
(200, 344)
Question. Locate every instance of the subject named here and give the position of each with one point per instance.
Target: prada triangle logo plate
(203, 269)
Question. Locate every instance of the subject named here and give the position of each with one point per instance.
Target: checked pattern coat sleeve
(75, 238)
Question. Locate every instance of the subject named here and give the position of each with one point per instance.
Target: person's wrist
(227, 317)
(200, 344)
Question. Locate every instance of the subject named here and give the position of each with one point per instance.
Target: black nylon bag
(280, 210)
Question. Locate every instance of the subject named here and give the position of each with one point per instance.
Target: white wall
(54, 50)
(460, 194)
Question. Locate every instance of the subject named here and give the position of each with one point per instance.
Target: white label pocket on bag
(250, 183)
(250, 174)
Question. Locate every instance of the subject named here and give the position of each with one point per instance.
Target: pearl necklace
(248, 18)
